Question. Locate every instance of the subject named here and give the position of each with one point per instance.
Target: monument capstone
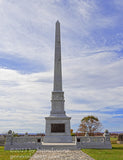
(57, 124)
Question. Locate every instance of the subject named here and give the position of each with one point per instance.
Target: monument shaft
(57, 65)
(57, 94)
(57, 124)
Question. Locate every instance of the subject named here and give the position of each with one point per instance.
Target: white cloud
(91, 84)
(92, 66)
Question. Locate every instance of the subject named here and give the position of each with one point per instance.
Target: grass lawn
(15, 155)
(116, 153)
(113, 140)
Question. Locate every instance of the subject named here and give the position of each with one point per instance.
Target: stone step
(58, 147)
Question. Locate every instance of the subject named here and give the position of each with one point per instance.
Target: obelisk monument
(57, 124)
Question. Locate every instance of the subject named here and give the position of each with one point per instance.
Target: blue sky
(92, 59)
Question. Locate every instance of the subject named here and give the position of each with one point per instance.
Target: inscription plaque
(58, 127)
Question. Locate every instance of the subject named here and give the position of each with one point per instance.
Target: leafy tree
(90, 124)
(15, 134)
(71, 131)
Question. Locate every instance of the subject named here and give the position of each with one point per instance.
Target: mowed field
(15, 155)
(116, 153)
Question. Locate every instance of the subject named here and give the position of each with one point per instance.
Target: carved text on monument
(58, 127)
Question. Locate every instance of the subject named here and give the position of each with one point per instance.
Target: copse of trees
(90, 124)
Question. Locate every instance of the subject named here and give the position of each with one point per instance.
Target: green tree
(71, 131)
(15, 134)
(90, 124)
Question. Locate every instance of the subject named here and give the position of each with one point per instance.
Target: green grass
(113, 140)
(15, 155)
(116, 153)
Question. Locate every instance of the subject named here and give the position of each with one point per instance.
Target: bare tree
(90, 124)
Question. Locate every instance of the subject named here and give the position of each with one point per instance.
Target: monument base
(57, 129)
(57, 139)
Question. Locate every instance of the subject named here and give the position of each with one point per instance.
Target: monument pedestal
(57, 129)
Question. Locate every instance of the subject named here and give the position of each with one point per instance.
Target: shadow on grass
(117, 148)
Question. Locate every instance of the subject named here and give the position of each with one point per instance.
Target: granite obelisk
(57, 65)
(57, 94)
(57, 124)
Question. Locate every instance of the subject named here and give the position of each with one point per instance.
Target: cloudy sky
(92, 60)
